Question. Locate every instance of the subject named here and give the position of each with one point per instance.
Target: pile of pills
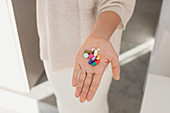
(92, 55)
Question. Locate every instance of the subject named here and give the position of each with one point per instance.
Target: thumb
(115, 68)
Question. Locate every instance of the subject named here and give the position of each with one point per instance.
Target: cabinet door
(12, 70)
(20, 65)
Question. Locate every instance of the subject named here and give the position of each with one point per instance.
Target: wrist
(100, 36)
(105, 25)
(97, 38)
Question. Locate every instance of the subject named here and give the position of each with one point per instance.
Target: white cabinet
(160, 57)
(20, 64)
(156, 97)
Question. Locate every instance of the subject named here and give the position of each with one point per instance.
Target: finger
(115, 68)
(80, 83)
(94, 86)
(75, 74)
(86, 87)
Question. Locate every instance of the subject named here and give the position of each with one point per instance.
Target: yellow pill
(98, 57)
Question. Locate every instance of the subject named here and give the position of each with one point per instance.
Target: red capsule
(97, 61)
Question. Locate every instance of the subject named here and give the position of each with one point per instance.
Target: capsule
(92, 60)
(95, 62)
(96, 52)
(87, 51)
(85, 55)
(92, 49)
(91, 56)
(98, 57)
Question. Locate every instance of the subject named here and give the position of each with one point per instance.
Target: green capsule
(94, 63)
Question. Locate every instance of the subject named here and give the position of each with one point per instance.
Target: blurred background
(144, 60)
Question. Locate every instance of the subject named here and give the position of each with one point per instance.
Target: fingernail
(81, 99)
(74, 83)
(117, 78)
(88, 98)
(76, 95)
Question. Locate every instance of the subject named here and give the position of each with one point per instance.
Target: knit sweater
(63, 25)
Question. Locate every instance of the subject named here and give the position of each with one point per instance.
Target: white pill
(96, 52)
(92, 49)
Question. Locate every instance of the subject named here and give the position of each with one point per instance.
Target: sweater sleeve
(124, 8)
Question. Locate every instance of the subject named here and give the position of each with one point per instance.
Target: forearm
(105, 25)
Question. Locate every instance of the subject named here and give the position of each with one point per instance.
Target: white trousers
(61, 82)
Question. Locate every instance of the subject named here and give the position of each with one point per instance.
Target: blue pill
(90, 61)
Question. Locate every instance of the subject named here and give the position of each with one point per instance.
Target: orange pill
(98, 57)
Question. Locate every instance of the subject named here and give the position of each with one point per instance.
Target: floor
(126, 95)
(5, 110)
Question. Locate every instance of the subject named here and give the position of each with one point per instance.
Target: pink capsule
(91, 56)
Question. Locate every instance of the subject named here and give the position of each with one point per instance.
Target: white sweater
(63, 25)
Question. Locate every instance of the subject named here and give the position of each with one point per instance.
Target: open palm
(86, 78)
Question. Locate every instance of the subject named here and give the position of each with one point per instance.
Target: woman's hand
(90, 76)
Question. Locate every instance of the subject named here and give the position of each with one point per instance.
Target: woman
(69, 27)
